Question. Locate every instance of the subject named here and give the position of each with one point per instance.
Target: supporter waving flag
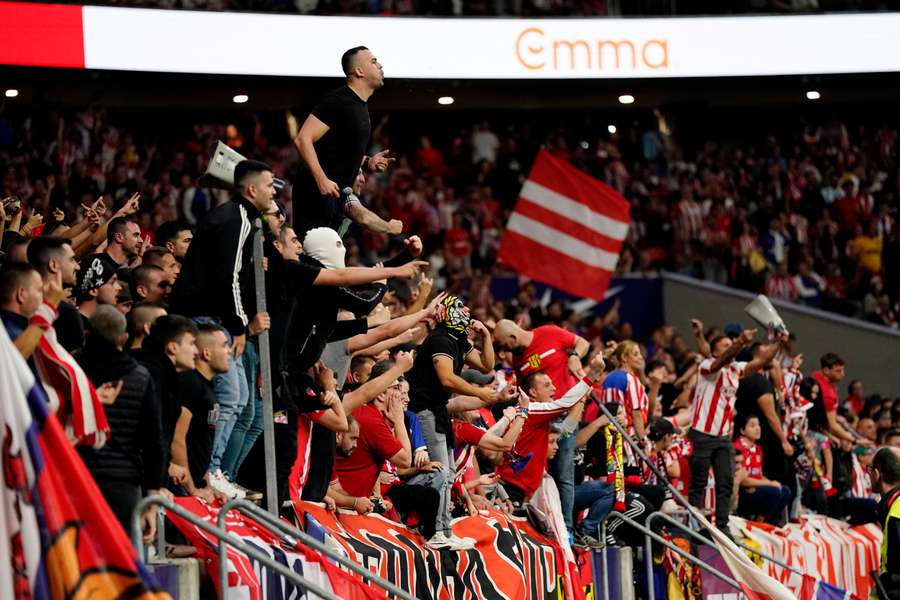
(567, 229)
(58, 538)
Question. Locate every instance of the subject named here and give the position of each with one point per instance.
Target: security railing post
(648, 549)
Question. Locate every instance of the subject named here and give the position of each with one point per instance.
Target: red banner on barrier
(510, 559)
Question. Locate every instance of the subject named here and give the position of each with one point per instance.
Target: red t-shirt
(300, 468)
(828, 392)
(457, 241)
(549, 352)
(466, 437)
(751, 457)
(377, 443)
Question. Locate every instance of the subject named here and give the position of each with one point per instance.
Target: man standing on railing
(712, 417)
(332, 145)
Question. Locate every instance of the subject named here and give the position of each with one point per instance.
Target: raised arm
(482, 359)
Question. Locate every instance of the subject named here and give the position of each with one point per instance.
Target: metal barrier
(698, 536)
(648, 534)
(224, 538)
(293, 534)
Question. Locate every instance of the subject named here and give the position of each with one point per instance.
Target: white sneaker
(439, 541)
(219, 483)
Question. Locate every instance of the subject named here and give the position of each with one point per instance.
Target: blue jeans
(231, 397)
(767, 501)
(249, 423)
(562, 469)
(598, 497)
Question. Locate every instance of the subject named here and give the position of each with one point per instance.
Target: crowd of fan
(807, 216)
(142, 326)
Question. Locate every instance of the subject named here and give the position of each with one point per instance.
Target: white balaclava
(325, 245)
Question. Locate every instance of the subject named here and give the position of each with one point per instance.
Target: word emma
(536, 52)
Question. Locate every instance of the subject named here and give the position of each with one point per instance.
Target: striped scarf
(70, 393)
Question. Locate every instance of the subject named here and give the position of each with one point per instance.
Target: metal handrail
(224, 538)
(697, 535)
(658, 538)
(290, 531)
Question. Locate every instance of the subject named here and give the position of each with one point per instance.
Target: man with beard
(54, 259)
(558, 353)
(332, 145)
(123, 240)
(176, 237)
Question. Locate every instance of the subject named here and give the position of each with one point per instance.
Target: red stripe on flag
(578, 186)
(545, 264)
(41, 35)
(567, 226)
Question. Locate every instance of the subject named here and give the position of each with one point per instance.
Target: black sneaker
(584, 540)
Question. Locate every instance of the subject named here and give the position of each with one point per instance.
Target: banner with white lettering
(510, 559)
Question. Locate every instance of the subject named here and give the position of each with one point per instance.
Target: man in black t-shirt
(332, 145)
(195, 430)
(756, 396)
(435, 375)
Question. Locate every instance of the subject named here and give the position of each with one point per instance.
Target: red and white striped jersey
(712, 409)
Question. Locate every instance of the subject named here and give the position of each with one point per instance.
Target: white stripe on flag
(576, 211)
(561, 242)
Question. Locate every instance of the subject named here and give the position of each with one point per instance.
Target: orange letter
(664, 57)
(616, 46)
(571, 46)
(538, 50)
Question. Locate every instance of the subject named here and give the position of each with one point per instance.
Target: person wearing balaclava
(314, 290)
(434, 378)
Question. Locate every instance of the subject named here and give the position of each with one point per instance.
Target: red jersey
(359, 472)
(827, 391)
(751, 457)
(549, 352)
(535, 437)
(300, 468)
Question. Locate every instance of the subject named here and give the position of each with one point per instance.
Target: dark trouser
(420, 499)
(122, 497)
(710, 450)
(858, 510)
(562, 470)
(765, 501)
(637, 509)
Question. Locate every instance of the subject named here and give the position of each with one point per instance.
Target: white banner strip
(562, 242)
(435, 48)
(573, 210)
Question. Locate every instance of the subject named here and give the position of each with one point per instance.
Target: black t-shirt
(198, 395)
(748, 393)
(69, 326)
(425, 389)
(340, 152)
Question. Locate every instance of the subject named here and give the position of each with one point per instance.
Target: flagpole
(265, 366)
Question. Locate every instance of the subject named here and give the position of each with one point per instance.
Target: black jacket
(312, 319)
(216, 278)
(165, 380)
(135, 450)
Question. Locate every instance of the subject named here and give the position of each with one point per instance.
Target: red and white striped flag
(566, 230)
